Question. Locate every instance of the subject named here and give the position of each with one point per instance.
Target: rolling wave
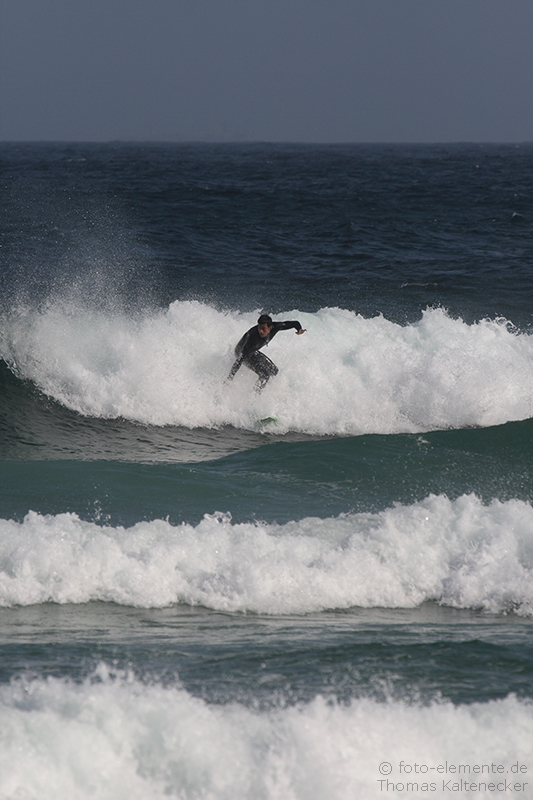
(348, 376)
(152, 742)
(461, 553)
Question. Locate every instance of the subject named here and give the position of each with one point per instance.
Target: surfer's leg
(263, 367)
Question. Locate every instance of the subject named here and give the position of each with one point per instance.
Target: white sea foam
(463, 554)
(346, 375)
(112, 737)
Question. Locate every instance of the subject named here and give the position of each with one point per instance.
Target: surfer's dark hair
(264, 319)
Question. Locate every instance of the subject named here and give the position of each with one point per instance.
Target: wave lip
(460, 553)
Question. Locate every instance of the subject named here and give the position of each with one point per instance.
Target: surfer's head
(264, 325)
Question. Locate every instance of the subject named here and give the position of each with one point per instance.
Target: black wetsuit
(247, 352)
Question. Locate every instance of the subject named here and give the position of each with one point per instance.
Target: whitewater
(462, 554)
(151, 741)
(348, 375)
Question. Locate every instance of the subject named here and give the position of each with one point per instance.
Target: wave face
(346, 376)
(461, 554)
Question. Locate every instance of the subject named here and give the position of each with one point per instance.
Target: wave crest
(458, 553)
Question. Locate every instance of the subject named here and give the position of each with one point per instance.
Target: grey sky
(267, 70)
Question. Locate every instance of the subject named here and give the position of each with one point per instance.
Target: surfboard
(267, 420)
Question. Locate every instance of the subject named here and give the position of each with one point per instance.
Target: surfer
(247, 349)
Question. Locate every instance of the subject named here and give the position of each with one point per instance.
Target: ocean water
(197, 604)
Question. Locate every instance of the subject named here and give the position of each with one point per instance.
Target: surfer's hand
(302, 330)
